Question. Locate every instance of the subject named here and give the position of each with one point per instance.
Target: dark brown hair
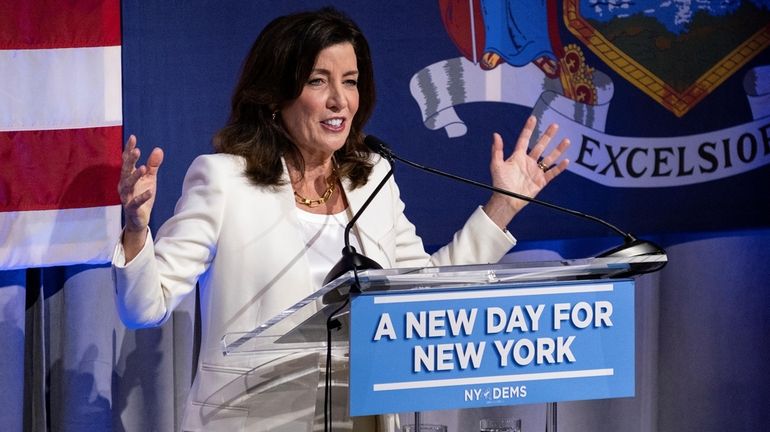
(275, 72)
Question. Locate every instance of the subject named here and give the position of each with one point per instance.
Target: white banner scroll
(616, 161)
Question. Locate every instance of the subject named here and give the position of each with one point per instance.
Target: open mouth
(334, 123)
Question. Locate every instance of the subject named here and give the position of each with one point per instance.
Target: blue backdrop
(701, 321)
(182, 58)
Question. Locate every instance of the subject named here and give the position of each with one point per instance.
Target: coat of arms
(675, 51)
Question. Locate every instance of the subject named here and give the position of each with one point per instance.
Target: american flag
(60, 131)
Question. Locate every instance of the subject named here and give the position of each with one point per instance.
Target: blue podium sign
(491, 345)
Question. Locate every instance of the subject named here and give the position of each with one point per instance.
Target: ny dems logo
(495, 394)
(677, 52)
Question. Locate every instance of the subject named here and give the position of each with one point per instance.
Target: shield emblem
(675, 52)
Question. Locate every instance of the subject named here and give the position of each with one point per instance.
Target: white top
(324, 237)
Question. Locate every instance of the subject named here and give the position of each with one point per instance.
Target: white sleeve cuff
(119, 254)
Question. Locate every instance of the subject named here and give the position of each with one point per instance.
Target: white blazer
(243, 244)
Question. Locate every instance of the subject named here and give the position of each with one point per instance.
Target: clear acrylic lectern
(302, 328)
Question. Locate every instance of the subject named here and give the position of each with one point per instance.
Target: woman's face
(319, 119)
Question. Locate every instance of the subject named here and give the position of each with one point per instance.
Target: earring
(275, 113)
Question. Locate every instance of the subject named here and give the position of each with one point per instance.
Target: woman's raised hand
(524, 173)
(137, 188)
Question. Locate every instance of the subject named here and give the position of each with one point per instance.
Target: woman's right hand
(137, 188)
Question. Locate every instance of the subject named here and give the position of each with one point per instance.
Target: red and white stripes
(60, 131)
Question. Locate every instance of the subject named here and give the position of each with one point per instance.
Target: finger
(127, 184)
(131, 179)
(131, 142)
(497, 148)
(526, 133)
(154, 161)
(542, 142)
(137, 201)
(130, 156)
(556, 153)
(556, 170)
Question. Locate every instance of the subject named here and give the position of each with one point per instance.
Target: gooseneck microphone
(351, 259)
(631, 246)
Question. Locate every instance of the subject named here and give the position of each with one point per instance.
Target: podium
(458, 337)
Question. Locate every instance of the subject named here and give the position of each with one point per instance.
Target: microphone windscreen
(376, 145)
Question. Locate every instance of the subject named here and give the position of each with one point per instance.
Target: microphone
(632, 247)
(351, 259)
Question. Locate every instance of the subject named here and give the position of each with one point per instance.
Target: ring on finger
(543, 166)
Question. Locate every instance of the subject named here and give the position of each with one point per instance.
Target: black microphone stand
(351, 259)
(631, 247)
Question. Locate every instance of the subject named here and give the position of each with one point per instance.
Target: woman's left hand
(524, 173)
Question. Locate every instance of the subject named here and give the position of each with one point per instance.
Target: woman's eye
(351, 82)
(315, 81)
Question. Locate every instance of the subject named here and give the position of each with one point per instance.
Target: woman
(259, 224)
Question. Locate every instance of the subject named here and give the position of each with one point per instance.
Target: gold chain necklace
(331, 183)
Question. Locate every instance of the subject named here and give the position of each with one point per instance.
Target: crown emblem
(576, 76)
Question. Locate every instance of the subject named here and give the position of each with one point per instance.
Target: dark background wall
(182, 59)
